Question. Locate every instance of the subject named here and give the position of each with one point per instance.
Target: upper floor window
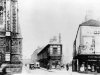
(55, 50)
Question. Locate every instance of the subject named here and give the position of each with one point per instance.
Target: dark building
(86, 54)
(10, 36)
(50, 56)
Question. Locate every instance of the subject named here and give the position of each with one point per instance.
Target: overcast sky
(40, 20)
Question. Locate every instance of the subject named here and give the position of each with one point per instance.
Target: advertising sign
(7, 57)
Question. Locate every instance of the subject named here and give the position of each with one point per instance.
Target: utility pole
(59, 37)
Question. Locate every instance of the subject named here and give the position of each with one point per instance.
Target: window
(51, 50)
(59, 50)
(54, 50)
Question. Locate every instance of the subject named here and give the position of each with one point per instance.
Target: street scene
(49, 37)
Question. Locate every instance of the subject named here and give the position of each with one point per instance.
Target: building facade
(86, 54)
(50, 56)
(10, 36)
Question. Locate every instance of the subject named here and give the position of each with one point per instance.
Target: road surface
(42, 71)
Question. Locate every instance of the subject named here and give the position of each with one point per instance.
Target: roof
(45, 48)
(91, 23)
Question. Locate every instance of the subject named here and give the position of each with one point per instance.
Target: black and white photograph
(49, 37)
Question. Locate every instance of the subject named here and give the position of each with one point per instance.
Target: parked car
(37, 65)
(31, 66)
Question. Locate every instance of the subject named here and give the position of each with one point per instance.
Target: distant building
(34, 57)
(50, 56)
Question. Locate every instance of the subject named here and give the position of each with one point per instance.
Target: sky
(40, 20)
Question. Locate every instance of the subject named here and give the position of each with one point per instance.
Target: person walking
(48, 66)
(67, 67)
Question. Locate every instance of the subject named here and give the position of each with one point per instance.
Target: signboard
(7, 33)
(90, 38)
(88, 45)
(7, 57)
(90, 31)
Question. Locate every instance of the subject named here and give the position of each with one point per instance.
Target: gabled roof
(91, 23)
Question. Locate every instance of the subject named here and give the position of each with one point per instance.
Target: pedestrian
(67, 67)
(48, 66)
